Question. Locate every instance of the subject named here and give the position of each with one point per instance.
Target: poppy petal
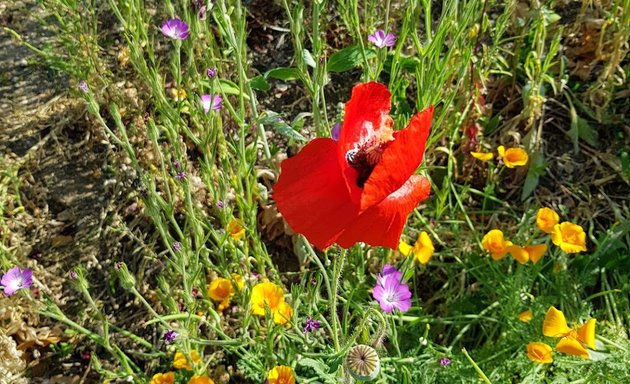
(399, 161)
(586, 333)
(555, 324)
(571, 346)
(382, 224)
(312, 195)
(366, 114)
(536, 252)
(519, 253)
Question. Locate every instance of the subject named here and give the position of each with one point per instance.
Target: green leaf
(319, 367)
(586, 132)
(347, 59)
(259, 83)
(298, 121)
(230, 88)
(282, 73)
(279, 125)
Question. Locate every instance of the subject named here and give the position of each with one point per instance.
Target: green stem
(337, 269)
(479, 371)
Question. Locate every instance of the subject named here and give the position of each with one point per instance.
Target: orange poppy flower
(495, 243)
(569, 237)
(573, 340)
(513, 157)
(540, 353)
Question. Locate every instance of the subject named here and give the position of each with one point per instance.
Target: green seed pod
(363, 363)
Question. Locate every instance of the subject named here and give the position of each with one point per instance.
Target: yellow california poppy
(181, 362)
(513, 157)
(283, 314)
(422, 250)
(495, 243)
(281, 374)
(268, 295)
(221, 291)
(539, 352)
(573, 340)
(236, 229)
(163, 378)
(569, 237)
(200, 380)
(546, 219)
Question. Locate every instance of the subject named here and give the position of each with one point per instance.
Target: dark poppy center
(364, 160)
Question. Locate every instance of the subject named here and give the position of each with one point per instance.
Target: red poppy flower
(363, 187)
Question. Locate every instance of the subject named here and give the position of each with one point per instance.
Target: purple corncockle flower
(212, 72)
(74, 275)
(177, 246)
(311, 325)
(175, 29)
(382, 40)
(83, 86)
(220, 204)
(16, 279)
(211, 102)
(177, 164)
(388, 271)
(169, 336)
(445, 361)
(335, 131)
(390, 291)
(181, 175)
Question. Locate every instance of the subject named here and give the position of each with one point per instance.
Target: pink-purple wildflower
(445, 361)
(175, 29)
(209, 102)
(382, 40)
(212, 72)
(177, 246)
(311, 325)
(390, 292)
(83, 86)
(335, 131)
(170, 336)
(16, 279)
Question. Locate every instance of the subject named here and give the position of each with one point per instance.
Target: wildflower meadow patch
(326, 192)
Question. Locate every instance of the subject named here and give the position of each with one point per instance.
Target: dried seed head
(363, 363)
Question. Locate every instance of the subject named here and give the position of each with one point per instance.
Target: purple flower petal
(382, 40)
(390, 291)
(335, 131)
(209, 102)
(175, 29)
(217, 102)
(16, 279)
(206, 102)
(390, 40)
